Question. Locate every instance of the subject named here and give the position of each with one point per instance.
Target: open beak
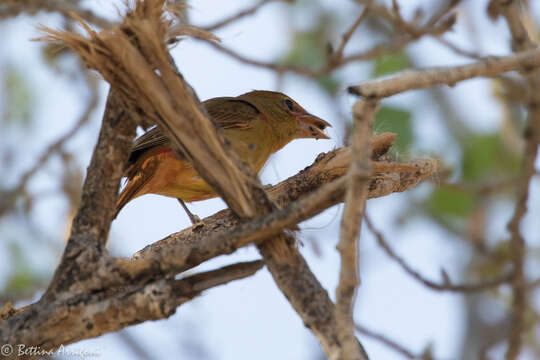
(311, 127)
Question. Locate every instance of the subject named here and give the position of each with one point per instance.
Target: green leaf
(307, 50)
(22, 277)
(391, 63)
(19, 98)
(309, 47)
(19, 282)
(446, 201)
(329, 84)
(397, 121)
(485, 156)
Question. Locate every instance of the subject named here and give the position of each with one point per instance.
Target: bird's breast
(177, 178)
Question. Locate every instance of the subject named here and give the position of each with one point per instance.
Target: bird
(255, 124)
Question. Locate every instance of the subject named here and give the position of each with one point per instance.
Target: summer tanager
(257, 124)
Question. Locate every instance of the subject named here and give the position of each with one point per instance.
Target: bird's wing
(152, 138)
(230, 112)
(226, 112)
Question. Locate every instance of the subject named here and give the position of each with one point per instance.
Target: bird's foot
(195, 220)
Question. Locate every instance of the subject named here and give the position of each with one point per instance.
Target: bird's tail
(130, 192)
(123, 199)
(137, 177)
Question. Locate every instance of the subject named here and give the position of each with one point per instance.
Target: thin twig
(209, 279)
(401, 25)
(443, 11)
(395, 44)
(66, 8)
(9, 197)
(487, 188)
(355, 201)
(423, 78)
(375, 52)
(241, 14)
(524, 37)
(465, 288)
(386, 341)
(279, 68)
(338, 55)
(458, 50)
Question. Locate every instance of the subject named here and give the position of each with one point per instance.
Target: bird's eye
(289, 104)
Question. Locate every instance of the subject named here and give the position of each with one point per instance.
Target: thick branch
(90, 227)
(50, 324)
(423, 78)
(298, 198)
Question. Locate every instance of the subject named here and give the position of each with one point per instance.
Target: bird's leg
(194, 218)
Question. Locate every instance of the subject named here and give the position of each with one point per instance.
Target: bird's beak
(311, 127)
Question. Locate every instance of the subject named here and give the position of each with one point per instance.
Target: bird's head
(293, 120)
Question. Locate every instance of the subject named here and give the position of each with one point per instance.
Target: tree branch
(355, 201)
(186, 250)
(447, 286)
(303, 195)
(50, 324)
(9, 197)
(241, 14)
(66, 8)
(90, 227)
(423, 78)
(525, 37)
(338, 55)
(333, 63)
(386, 341)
